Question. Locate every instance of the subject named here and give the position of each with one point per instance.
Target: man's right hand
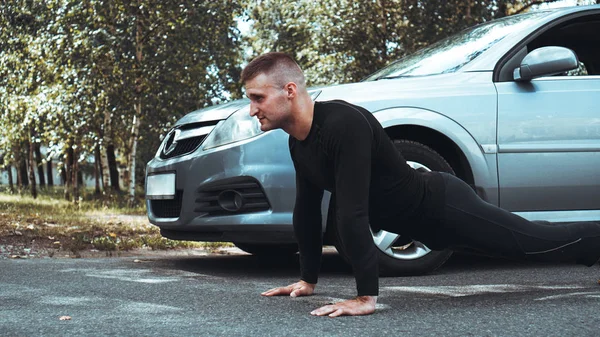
(300, 288)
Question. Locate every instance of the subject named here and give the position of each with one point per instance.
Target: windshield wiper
(394, 77)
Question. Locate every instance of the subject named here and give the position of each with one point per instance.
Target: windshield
(452, 53)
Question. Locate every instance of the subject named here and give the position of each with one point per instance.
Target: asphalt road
(219, 296)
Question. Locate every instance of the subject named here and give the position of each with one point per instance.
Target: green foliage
(78, 71)
(156, 242)
(337, 41)
(80, 74)
(215, 246)
(78, 242)
(105, 243)
(127, 244)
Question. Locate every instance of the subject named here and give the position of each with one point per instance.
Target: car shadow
(249, 265)
(332, 264)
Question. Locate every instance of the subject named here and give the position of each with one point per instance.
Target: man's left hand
(361, 305)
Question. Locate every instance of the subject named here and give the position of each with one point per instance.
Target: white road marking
(125, 306)
(68, 300)
(577, 294)
(132, 275)
(147, 308)
(471, 290)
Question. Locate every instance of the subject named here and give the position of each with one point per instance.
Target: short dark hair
(273, 62)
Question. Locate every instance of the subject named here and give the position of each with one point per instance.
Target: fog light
(230, 200)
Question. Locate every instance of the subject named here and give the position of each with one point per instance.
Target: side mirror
(545, 61)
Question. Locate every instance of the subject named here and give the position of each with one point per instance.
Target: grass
(117, 202)
(104, 223)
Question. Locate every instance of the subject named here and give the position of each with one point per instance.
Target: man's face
(268, 102)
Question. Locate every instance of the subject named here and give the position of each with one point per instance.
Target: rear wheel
(399, 255)
(268, 250)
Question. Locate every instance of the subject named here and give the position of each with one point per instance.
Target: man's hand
(300, 288)
(361, 305)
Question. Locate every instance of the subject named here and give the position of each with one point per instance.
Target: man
(342, 148)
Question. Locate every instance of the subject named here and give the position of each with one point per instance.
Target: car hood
(213, 113)
(373, 95)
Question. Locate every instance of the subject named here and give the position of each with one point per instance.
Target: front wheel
(400, 255)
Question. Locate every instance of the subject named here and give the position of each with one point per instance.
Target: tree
(79, 76)
(40, 163)
(161, 66)
(337, 41)
(22, 74)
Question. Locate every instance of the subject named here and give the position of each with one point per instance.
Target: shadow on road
(234, 265)
(332, 265)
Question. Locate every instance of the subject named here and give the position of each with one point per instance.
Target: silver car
(511, 106)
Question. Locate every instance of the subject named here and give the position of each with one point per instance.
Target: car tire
(398, 257)
(268, 250)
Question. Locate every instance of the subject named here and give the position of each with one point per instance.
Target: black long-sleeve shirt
(348, 153)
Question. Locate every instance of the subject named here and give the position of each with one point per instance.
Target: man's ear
(291, 89)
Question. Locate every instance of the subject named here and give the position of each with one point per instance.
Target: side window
(580, 35)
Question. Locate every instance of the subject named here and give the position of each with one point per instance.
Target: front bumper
(253, 179)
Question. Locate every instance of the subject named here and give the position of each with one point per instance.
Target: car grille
(183, 146)
(170, 208)
(187, 145)
(231, 196)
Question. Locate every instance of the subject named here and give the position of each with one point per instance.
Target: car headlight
(239, 126)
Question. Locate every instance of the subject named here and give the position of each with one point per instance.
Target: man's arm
(307, 228)
(351, 144)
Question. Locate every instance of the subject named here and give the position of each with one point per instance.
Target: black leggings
(470, 222)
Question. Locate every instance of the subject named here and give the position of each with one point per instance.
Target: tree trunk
(502, 10)
(68, 172)
(139, 81)
(107, 142)
(104, 170)
(63, 175)
(75, 177)
(32, 165)
(109, 161)
(49, 172)
(97, 169)
(23, 169)
(10, 180)
(383, 30)
(17, 154)
(112, 168)
(468, 11)
(135, 130)
(40, 164)
(80, 177)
